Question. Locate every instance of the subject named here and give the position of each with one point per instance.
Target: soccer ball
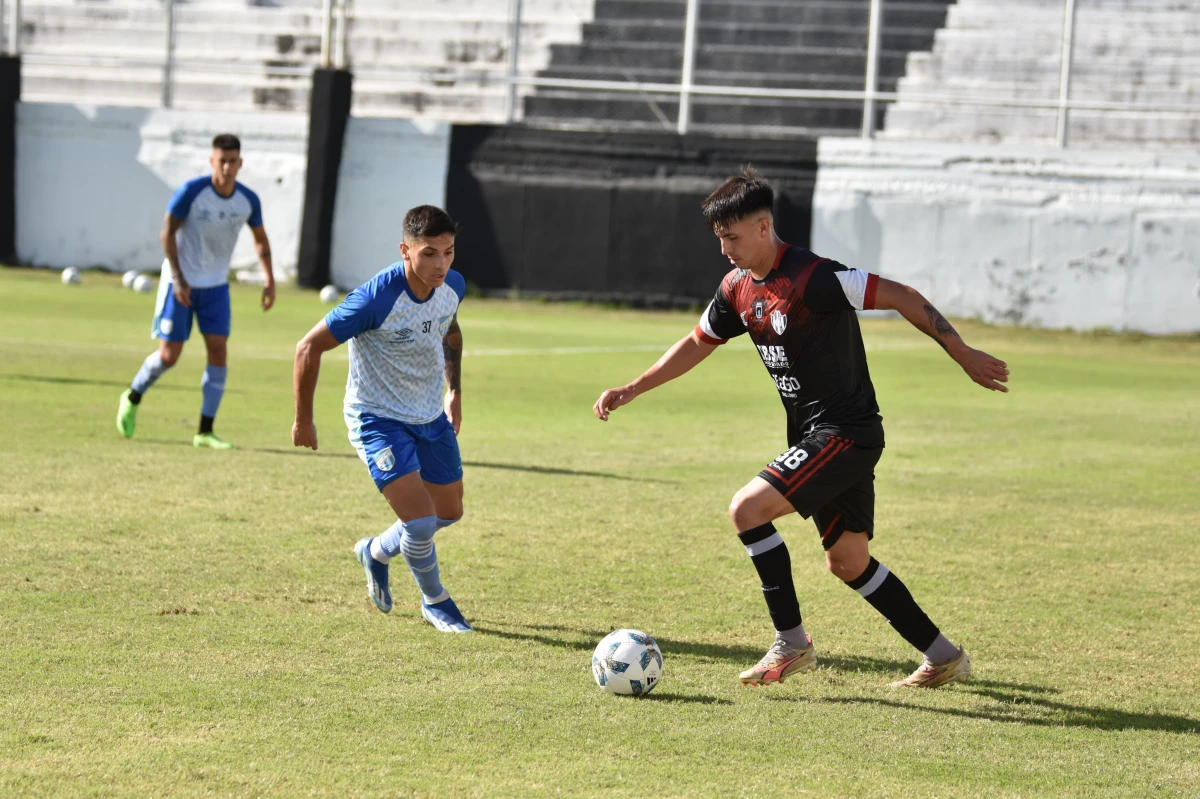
(329, 294)
(128, 278)
(143, 284)
(70, 276)
(627, 663)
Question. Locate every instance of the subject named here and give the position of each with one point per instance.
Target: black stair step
(852, 37)
(833, 12)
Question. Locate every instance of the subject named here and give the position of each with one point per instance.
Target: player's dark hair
(738, 198)
(428, 222)
(227, 141)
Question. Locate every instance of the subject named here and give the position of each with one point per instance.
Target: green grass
(183, 622)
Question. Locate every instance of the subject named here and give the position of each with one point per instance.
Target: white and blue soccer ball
(128, 278)
(70, 276)
(330, 295)
(143, 284)
(627, 663)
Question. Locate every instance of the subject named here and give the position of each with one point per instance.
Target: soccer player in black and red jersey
(798, 309)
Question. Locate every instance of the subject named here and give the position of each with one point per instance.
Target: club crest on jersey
(759, 309)
(385, 460)
(779, 322)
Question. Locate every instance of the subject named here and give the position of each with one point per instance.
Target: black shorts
(831, 480)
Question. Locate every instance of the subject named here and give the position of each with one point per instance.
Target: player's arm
(263, 247)
(989, 372)
(304, 381)
(179, 286)
(679, 360)
(452, 347)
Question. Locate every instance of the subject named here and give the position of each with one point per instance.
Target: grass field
(183, 622)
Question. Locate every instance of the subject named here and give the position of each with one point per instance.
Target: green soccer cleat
(126, 415)
(209, 440)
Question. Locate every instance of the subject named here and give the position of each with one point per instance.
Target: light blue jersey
(211, 224)
(396, 360)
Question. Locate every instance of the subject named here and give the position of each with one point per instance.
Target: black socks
(774, 565)
(889, 596)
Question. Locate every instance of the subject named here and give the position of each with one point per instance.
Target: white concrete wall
(388, 166)
(1022, 235)
(93, 182)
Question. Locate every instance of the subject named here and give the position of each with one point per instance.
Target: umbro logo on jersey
(779, 322)
(402, 336)
(773, 357)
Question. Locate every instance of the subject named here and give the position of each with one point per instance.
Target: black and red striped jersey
(801, 319)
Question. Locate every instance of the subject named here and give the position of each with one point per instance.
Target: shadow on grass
(586, 640)
(79, 381)
(691, 699)
(1022, 708)
(474, 464)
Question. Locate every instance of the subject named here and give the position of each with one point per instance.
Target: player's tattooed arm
(989, 372)
(939, 329)
(452, 344)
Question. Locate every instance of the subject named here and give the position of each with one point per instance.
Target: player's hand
(183, 294)
(305, 435)
(611, 400)
(268, 296)
(453, 404)
(989, 372)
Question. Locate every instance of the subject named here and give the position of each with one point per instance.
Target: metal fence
(673, 87)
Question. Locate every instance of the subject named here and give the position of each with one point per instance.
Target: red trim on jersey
(707, 339)
(869, 294)
(779, 255)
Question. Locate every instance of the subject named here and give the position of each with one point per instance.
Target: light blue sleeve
(255, 206)
(181, 201)
(457, 282)
(367, 306)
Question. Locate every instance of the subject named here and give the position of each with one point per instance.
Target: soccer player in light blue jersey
(199, 232)
(404, 339)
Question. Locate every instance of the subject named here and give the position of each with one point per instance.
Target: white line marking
(255, 353)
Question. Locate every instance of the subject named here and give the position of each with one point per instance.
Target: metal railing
(334, 19)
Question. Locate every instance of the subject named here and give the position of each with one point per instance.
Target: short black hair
(428, 222)
(738, 198)
(226, 141)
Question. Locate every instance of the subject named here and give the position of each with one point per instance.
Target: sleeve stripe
(704, 329)
(706, 338)
(869, 295)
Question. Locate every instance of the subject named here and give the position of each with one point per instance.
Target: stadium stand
(439, 59)
(810, 44)
(1125, 51)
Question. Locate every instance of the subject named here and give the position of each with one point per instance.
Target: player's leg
(441, 472)
(846, 526)
(752, 512)
(213, 316)
(172, 326)
(801, 480)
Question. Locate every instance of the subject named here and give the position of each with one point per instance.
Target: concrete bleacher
(1136, 51)
(437, 59)
(794, 44)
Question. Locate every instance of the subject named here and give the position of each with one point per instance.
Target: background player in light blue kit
(402, 326)
(199, 232)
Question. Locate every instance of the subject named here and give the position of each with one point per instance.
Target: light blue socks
(212, 386)
(414, 540)
(152, 369)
